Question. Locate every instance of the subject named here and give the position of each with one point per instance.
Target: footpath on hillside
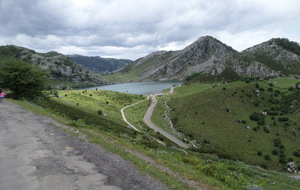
(35, 155)
(147, 120)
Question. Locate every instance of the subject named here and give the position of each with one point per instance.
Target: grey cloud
(125, 26)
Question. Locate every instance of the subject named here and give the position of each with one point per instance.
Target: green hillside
(98, 64)
(61, 71)
(96, 114)
(229, 120)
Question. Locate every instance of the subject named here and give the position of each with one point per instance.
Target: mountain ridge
(99, 64)
(58, 66)
(211, 57)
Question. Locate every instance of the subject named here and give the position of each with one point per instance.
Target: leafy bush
(23, 79)
(267, 157)
(283, 119)
(277, 142)
(273, 113)
(296, 153)
(267, 130)
(282, 160)
(258, 117)
(275, 152)
(259, 153)
(290, 45)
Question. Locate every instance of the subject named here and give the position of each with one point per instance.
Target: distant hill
(98, 64)
(209, 59)
(60, 68)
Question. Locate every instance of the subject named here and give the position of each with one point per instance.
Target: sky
(131, 29)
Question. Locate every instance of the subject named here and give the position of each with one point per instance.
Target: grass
(218, 119)
(108, 102)
(169, 164)
(284, 82)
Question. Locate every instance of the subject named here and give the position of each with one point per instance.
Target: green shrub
(296, 153)
(282, 160)
(23, 79)
(283, 119)
(259, 153)
(267, 157)
(148, 143)
(259, 118)
(275, 152)
(277, 142)
(267, 130)
(264, 166)
(282, 155)
(273, 113)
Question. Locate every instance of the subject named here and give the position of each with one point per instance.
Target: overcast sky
(134, 28)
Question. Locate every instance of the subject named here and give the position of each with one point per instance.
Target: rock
(292, 167)
(253, 187)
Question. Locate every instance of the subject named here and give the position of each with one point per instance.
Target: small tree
(22, 78)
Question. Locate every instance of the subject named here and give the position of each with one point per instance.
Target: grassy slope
(218, 118)
(222, 167)
(92, 101)
(195, 169)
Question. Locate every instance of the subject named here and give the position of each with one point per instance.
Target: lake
(143, 88)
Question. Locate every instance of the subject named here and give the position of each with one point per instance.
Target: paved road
(147, 120)
(34, 155)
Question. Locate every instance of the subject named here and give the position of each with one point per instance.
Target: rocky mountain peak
(209, 56)
(208, 44)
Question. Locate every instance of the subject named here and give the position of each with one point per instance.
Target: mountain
(279, 54)
(59, 67)
(210, 59)
(267, 59)
(177, 65)
(98, 64)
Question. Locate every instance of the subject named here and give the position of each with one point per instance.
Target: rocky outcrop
(167, 65)
(209, 56)
(59, 67)
(291, 167)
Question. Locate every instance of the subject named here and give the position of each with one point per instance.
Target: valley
(96, 113)
(237, 113)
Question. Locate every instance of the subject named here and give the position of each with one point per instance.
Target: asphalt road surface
(34, 155)
(147, 120)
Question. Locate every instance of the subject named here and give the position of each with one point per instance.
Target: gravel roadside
(36, 155)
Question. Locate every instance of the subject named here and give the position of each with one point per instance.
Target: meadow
(221, 120)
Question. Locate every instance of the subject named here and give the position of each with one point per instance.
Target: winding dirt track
(35, 155)
(147, 120)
